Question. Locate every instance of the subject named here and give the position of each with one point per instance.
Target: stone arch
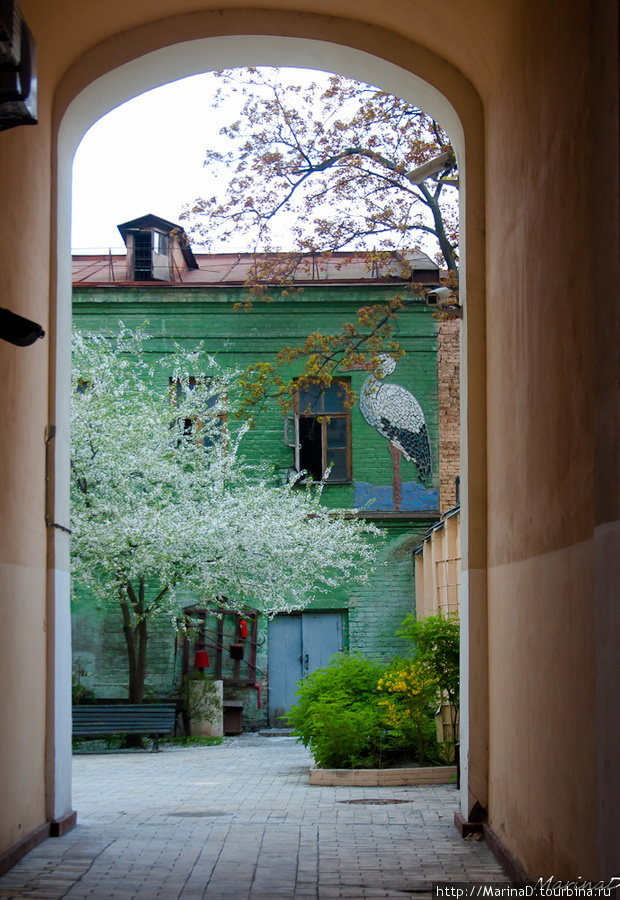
(137, 60)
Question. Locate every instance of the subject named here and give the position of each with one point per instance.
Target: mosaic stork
(397, 415)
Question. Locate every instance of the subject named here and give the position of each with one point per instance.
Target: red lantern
(243, 629)
(201, 659)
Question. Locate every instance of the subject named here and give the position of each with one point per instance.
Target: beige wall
(24, 262)
(535, 89)
(438, 570)
(22, 738)
(541, 446)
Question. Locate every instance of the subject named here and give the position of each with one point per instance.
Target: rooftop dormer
(157, 250)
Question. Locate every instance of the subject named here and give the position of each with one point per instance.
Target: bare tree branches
(329, 156)
(332, 166)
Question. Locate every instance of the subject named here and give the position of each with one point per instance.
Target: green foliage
(119, 742)
(344, 718)
(345, 735)
(204, 740)
(410, 702)
(356, 713)
(90, 745)
(437, 641)
(80, 693)
(337, 714)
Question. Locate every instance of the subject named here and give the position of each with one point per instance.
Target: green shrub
(337, 715)
(356, 713)
(410, 698)
(436, 640)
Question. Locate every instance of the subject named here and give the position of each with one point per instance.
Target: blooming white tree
(162, 498)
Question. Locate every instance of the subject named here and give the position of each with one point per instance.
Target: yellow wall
(535, 89)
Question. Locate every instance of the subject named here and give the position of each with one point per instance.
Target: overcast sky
(146, 157)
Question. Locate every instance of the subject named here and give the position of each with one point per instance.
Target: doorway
(298, 644)
(172, 49)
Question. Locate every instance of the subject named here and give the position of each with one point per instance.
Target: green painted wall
(100, 654)
(205, 314)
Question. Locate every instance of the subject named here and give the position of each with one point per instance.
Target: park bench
(151, 719)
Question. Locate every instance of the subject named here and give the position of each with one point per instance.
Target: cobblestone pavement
(240, 822)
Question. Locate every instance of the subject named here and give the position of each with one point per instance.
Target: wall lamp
(18, 330)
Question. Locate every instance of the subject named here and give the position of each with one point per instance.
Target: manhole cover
(373, 801)
(197, 814)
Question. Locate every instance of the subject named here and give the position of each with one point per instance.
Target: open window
(150, 260)
(157, 250)
(322, 431)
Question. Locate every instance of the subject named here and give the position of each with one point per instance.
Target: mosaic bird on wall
(397, 415)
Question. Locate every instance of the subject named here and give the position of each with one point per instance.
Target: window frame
(326, 418)
(143, 256)
(160, 242)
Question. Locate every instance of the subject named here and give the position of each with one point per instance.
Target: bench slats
(152, 719)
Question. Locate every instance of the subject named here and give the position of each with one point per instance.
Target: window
(160, 242)
(143, 259)
(191, 426)
(323, 431)
(150, 261)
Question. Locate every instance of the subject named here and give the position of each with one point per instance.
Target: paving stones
(241, 822)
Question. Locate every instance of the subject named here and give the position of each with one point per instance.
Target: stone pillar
(206, 707)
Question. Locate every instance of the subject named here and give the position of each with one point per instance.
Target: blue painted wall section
(415, 497)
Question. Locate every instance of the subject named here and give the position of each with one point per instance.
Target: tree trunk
(440, 231)
(136, 636)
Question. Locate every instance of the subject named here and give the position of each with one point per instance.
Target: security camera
(441, 296)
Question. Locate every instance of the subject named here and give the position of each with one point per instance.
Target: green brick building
(178, 296)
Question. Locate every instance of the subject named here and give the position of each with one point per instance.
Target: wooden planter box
(383, 777)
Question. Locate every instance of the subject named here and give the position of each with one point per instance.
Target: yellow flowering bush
(410, 696)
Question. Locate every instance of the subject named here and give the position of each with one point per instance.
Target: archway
(139, 60)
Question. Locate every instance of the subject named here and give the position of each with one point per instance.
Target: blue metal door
(298, 644)
(321, 637)
(285, 665)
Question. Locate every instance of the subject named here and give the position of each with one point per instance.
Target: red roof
(233, 269)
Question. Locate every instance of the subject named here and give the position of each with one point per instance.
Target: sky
(146, 157)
